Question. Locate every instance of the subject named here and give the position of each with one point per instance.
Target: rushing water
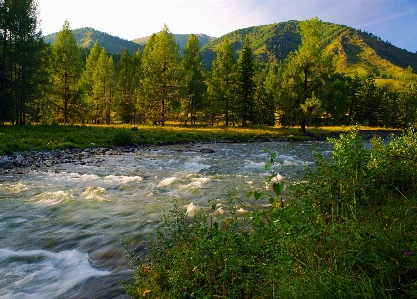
(61, 227)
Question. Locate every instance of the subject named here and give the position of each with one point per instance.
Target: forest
(65, 83)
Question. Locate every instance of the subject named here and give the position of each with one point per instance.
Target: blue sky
(392, 20)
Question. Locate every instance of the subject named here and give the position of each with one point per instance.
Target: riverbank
(45, 146)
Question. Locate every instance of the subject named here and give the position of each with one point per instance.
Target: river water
(62, 226)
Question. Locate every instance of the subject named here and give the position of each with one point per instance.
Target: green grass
(42, 137)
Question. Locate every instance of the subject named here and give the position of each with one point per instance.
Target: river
(62, 226)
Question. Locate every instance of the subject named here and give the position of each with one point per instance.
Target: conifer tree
(21, 49)
(126, 87)
(193, 78)
(103, 88)
(246, 83)
(222, 84)
(408, 98)
(67, 68)
(303, 73)
(87, 82)
(160, 85)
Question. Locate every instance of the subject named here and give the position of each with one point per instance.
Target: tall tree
(193, 78)
(304, 73)
(408, 98)
(21, 48)
(221, 87)
(246, 83)
(67, 69)
(126, 86)
(87, 81)
(161, 75)
(103, 88)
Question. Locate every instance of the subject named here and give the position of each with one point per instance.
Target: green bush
(123, 137)
(347, 230)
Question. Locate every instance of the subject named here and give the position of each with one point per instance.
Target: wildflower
(409, 253)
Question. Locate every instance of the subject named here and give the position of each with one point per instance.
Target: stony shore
(21, 162)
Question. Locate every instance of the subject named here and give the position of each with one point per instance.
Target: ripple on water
(13, 188)
(42, 273)
(51, 198)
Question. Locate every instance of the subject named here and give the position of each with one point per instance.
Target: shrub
(123, 137)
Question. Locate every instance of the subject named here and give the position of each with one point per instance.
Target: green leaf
(268, 166)
(272, 200)
(278, 188)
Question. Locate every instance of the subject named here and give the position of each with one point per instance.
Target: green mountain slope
(181, 40)
(86, 37)
(354, 51)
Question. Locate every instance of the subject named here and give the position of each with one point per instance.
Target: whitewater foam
(42, 274)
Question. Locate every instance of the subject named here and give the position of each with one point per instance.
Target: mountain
(86, 37)
(353, 50)
(181, 40)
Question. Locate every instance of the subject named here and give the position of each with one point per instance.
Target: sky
(391, 20)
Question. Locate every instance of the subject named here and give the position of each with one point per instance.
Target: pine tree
(126, 87)
(221, 87)
(160, 84)
(193, 78)
(87, 81)
(67, 67)
(304, 72)
(103, 88)
(408, 98)
(21, 48)
(246, 83)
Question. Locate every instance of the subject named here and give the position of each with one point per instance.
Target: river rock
(206, 150)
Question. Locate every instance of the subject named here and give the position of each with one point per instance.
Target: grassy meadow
(49, 137)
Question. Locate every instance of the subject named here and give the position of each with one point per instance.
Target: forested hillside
(354, 50)
(87, 37)
(181, 40)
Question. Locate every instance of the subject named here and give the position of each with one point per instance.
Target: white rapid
(61, 227)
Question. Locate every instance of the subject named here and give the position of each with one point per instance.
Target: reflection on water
(61, 225)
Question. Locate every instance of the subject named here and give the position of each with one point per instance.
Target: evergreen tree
(368, 101)
(21, 50)
(221, 87)
(87, 82)
(246, 83)
(304, 73)
(160, 85)
(103, 88)
(408, 99)
(67, 68)
(193, 78)
(126, 87)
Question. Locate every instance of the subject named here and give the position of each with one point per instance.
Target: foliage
(303, 75)
(66, 71)
(329, 239)
(246, 73)
(222, 84)
(123, 137)
(161, 76)
(22, 64)
(194, 86)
